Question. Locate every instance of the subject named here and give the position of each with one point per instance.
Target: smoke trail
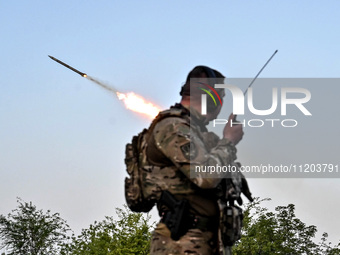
(131, 100)
(109, 88)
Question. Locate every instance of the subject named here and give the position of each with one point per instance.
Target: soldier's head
(201, 80)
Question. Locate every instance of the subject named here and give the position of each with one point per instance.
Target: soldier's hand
(233, 133)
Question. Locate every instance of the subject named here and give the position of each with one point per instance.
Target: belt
(195, 222)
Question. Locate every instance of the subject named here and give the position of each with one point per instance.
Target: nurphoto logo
(301, 97)
(204, 96)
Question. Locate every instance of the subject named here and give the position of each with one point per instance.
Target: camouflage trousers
(195, 241)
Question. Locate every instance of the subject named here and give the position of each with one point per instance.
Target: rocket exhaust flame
(131, 100)
(138, 104)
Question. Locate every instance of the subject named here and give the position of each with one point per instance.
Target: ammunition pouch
(231, 224)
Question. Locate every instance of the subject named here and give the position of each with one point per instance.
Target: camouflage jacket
(179, 148)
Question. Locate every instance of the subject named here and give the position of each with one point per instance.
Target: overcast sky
(62, 137)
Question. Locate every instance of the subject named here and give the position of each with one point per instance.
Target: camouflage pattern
(194, 241)
(231, 224)
(177, 143)
(133, 188)
(172, 136)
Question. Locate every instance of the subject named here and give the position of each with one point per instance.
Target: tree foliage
(32, 232)
(281, 232)
(130, 234)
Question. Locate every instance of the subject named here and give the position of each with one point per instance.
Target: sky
(62, 138)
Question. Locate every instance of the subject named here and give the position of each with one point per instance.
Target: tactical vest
(150, 172)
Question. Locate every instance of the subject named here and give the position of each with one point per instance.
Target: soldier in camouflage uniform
(177, 143)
